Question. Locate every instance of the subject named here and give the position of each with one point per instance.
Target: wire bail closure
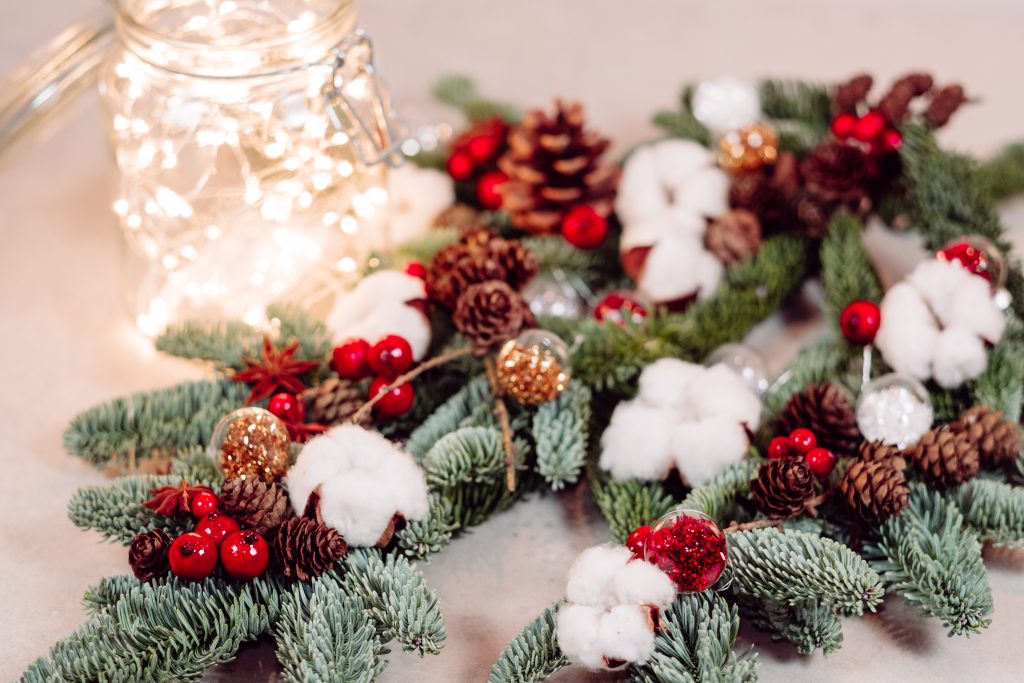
(359, 104)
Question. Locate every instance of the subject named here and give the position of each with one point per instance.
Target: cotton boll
(592, 576)
(406, 321)
(971, 307)
(703, 449)
(958, 356)
(578, 629)
(720, 391)
(907, 333)
(389, 289)
(687, 223)
(356, 505)
(706, 191)
(416, 196)
(726, 104)
(640, 191)
(937, 282)
(670, 270)
(320, 459)
(678, 160)
(641, 583)
(666, 382)
(636, 443)
(626, 633)
(647, 230)
(708, 271)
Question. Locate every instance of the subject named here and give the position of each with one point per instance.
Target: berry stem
(364, 410)
(756, 524)
(501, 410)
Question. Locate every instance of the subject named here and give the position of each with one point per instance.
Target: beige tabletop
(67, 342)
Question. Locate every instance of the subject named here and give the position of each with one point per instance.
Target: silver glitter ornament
(894, 409)
(725, 104)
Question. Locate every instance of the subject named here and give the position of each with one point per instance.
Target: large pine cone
(333, 401)
(457, 267)
(946, 457)
(304, 548)
(825, 410)
(734, 236)
(782, 487)
(255, 504)
(553, 164)
(873, 490)
(148, 555)
(489, 314)
(518, 261)
(876, 451)
(998, 440)
(835, 172)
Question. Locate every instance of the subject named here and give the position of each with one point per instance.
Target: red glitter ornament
(689, 547)
(637, 540)
(977, 255)
(779, 448)
(843, 125)
(349, 359)
(487, 189)
(584, 228)
(614, 304)
(859, 322)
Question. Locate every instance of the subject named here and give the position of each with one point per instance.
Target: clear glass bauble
(745, 362)
(894, 409)
(552, 296)
(251, 442)
(534, 367)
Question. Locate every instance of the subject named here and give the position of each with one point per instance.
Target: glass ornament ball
(979, 256)
(689, 547)
(745, 362)
(894, 409)
(251, 442)
(534, 367)
(550, 296)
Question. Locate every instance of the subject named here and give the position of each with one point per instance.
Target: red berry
(859, 322)
(192, 556)
(204, 503)
(390, 356)
(584, 228)
(610, 308)
(779, 448)
(891, 139)
(397, 402)
(843, 125)
(287, 407)
(460, 166)
(802, 440)
(637, 540)
(820, 461)
(216, 527)
(349, 359)
(869, 126)
(244, 554)
(416, 269)
(482, 148)
(488, 189)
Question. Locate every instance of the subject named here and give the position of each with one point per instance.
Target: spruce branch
(295, 323)
(847, 274)
(681, 122)
(808, 625)
(461, 92)
(560, 430)
(1001, 385)
(533, 654)
(451, 415)
(222, 343)
(422, 538)
(994, 510)
(718, 496)
(1003, 176)
(818, 362)
(629, 504)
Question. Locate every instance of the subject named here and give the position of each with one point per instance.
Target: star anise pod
(301, 432)
(278, 369)
(171, 500)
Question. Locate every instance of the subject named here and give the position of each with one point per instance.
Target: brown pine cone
(458, 266)
(333, 401)
(553, 165)
(826, 411)
(783, 487)
(998, 441)
(836, 172)
(148, 555)
(518, 261)
(255, 504)
(489, 314)
(304, 548)
(944, 104)
(769, 197)
(873, 490)
(734, 236)
(461, 217)
(876, 451)
(851, 93)
(946, 457)
(895, 104)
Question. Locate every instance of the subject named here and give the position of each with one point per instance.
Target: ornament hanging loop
(359, 105)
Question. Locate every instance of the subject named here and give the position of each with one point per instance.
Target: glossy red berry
(637, 540)
(349, 359)
(859, 322)
(288, 407)
(216, 527)
(397, 402)
(192, 556)
(416, 269)
(891, 139)
(843, 125)
(820, 461)
(779, 448)
(244, 554)
(584, 228)
(483, 148)
(390, 356)
(869, 127)
(460, 166)
(204, 503)
(488, 189)
(802, 440)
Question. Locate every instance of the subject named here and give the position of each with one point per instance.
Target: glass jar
(248, 136)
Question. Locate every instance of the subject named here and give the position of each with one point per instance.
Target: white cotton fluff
(706, 191)
(626, 633)
(578, 634)
(703, 449)
(665, 384)
(719, 391)
(908, 331)
(676, 267)
(640, 192)
(958, 356)
(415, 198)
(364, 481)
(678, 160)
(641, 583)
(972, 308)
(726, 104)
(377, 306)
(687, 221)
(648, 230)
(635, 444)
(591, 579)
(936, 281)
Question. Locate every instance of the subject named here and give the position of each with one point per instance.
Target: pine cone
(836, 172)
(255, 504)
(734, 236)
(944, 104)
(461, 217)
(333, 401)
(895, 104)
(782, 487)
(998, 441)
(518, 261)
(873, 490)
(553, 164)
(876, 451)
(148, 555)
(769, 197)
(825, 410)
(456, 267)
(304, 548)
(946, 457)
(852, 93)
(489, 314)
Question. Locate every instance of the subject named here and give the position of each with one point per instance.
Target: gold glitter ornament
(252, 442)
(534, 367)
(749, 148)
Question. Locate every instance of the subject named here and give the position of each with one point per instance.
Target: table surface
(68, 344)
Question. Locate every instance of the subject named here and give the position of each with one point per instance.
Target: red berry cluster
(386, 360)
(243, 553)
(474, 159)
(691, 550)
(614, 304)
(871, 129)
(801, 443)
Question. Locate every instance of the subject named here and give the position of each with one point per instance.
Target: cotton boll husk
(671, 269)
(708, 271)
(640, 192)
(907, 333)
(591, 578)
(958, 356)
(625, 633)
(578, 628)
(706, 191)
(937, 282)
(406, 321)
(647, 230)
(971, 307)
(416, 196)
(665, 384)
(703, 449)
(678, 160)
(641, 583)
(720, 391)
(636, 443)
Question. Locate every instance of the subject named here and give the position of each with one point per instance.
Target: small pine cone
(895, 104)
(255, 504)
(554, 164)
(333, 401)
(783, 487)
(836, 172)
(304, 548)
(458, 266)
(944, 104)
(873, 490)
(826, 411)
(998, 440)
(734, 236)
(148, 555)
(876, 451)
(851, 93)
(946, 457)
(518, 261)
(489, 314)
